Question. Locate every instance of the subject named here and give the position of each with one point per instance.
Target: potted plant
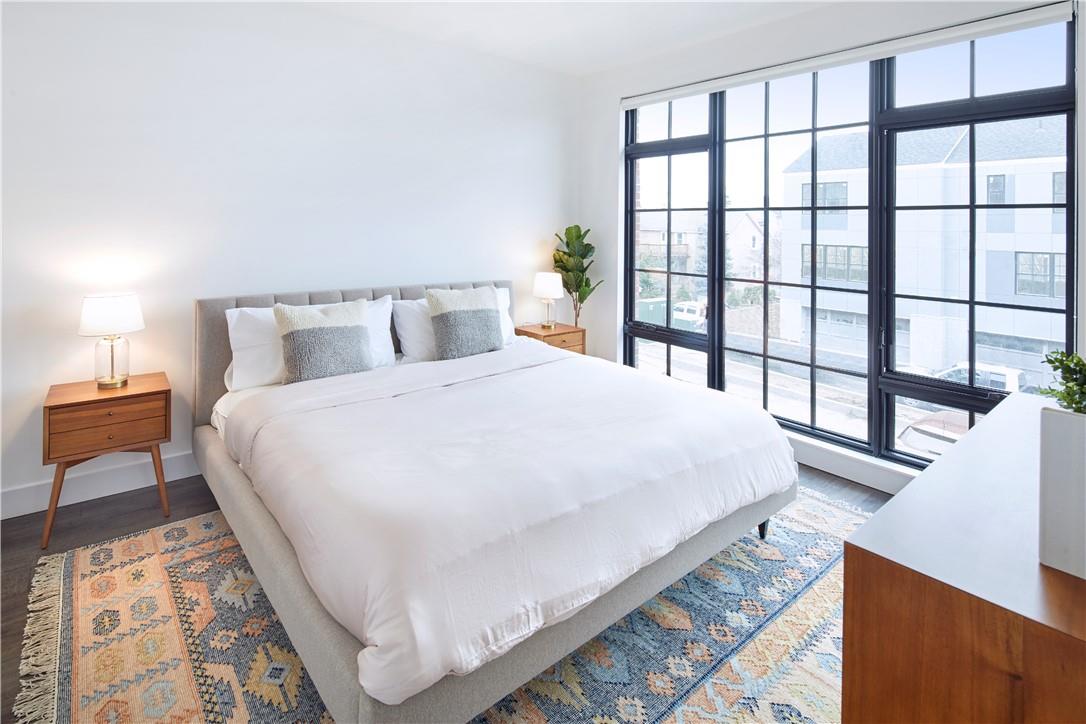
(1063, 467)
(573, 262)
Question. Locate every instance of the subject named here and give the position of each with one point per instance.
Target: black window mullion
(880, 299)
(972, 249)
(667, 246)
(814, 244)
(1070, 265)
(716, 329)
(765, 253)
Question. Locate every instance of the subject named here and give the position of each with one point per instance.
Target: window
(755, 278)
(979, 245)
(1040, 274)
(1059, 196)
(1059, 187)
(836, 263)
(829, 195)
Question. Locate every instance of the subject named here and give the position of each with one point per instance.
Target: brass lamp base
(547, 325)
(112, 383)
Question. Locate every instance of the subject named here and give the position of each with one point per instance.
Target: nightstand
(565, 336)
(81, 422)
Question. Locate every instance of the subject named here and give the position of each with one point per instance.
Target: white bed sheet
(444, 511)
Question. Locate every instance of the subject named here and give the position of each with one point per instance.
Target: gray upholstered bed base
(328, 650)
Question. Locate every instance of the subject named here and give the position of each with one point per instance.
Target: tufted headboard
(212, 349)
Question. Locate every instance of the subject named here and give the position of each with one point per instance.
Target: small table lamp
(548, 287)
(109, 316)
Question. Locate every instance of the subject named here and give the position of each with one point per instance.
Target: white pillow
(413, 327)
(508, 330)
(379, 325)
(416, 331)
(257, 352)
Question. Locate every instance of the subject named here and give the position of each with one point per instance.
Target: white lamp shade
(548, 285)
(108, 314)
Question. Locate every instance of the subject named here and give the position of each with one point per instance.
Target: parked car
(995, 377)
(931, 436)
(689, 315)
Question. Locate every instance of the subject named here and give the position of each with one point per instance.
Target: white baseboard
(80, 485)
(881, 475)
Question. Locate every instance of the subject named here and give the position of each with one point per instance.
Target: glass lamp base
(111, 362)
(548, 323)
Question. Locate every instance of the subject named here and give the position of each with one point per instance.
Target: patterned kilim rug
(171, 625)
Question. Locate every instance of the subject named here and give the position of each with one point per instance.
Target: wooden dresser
(565, 336)
(948, 614)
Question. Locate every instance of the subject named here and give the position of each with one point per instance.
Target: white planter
(1063, 490)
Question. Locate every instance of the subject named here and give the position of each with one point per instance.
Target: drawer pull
(110, 437)
(110, 413)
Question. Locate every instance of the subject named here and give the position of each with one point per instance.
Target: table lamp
(548, 287)
(109, 316)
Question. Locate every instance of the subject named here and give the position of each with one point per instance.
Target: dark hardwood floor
(97, 520)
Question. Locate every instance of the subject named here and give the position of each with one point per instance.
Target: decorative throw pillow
(257, 351)
(416, 332)
(323, 341)
(466, 321)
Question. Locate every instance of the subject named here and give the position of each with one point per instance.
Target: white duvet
(444, 511)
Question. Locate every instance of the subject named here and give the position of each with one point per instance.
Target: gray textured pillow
(323, 341)
(466, 321)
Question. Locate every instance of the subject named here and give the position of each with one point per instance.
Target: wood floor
(97, 520)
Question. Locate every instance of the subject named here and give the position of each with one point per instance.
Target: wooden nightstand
(81, 422)
(565, 336)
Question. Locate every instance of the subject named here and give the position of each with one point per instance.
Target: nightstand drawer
(105, 437)
(565, 341)
(108, 412)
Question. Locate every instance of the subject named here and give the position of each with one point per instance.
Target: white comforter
(444, 511)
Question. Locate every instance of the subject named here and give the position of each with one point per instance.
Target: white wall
(185, 151)
(821, 30)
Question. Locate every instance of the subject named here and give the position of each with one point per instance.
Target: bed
(430, 478)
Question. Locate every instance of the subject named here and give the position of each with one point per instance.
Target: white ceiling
(577, 38)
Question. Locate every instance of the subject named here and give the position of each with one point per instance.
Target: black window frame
(884, 383)
(886, 121)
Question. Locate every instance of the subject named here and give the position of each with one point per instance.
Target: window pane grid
(787, 304)
(796, 266)
(1016, 255)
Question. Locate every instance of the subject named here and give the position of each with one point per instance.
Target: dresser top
(971, 521)
(74, 393)
(538, 330)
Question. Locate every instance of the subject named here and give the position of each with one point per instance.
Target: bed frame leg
(763, 529)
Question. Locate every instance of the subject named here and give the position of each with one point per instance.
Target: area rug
(171, 625)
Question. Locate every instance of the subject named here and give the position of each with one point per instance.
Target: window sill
(884, 475)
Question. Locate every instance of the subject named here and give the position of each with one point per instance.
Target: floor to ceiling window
(759, 219)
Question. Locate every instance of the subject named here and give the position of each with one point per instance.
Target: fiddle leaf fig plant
(1070, 389)
(572, 259)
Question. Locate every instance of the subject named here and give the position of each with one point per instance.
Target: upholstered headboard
(213, 343)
